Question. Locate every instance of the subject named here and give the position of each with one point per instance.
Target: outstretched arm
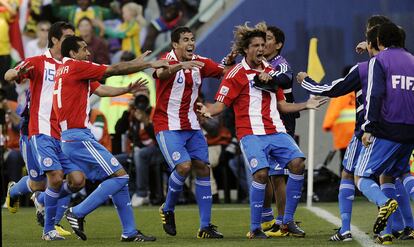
(167, 72)
(312, 103)
(336, 88)
(108, 91)
(138, 64)
(210, 110)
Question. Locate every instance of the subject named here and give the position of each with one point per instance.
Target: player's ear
(279, 45)
(174, 45)
(54, 41)
(72, 54)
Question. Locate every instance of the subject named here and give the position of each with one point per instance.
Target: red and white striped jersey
(255, 110)
(176, 97)
(75, 81)
(42, 118)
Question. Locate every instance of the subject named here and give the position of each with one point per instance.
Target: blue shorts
(260, 150)
(94, 159)
(48, 155)
(32, 166)
(384, 156)
(179, 146)
(351, 155)
(276, 169)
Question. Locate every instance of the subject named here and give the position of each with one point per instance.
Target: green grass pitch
(103, 227)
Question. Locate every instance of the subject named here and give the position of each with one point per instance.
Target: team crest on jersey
(176, 156)
(48, 162)
(114, 161)
(224, 90)
(254, 163)
(33, 173)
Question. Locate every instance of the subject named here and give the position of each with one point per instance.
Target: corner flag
(315, 68)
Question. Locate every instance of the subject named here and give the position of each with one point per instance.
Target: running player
(44, 133)
(75, 80)
(178, 131)
(259, 128)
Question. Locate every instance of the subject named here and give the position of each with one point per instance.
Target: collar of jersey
(247, 67)
(171, 56)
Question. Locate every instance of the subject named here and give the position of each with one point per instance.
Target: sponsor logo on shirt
(403, 82)
(48, 162)
(176, 156)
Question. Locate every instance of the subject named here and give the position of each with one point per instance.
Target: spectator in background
(96, 45)
(137, 123)
(74, 13)
(7, 11)
(129, 30)
(13, 160)
(340, 120)
(38, 46)
(113, 107)
(99, 125)
(173, 13)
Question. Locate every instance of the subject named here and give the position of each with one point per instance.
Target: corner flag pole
(315, 71)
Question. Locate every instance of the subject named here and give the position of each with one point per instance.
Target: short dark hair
(127, 56)
(389, 35)
(403, 36)
(56, 31)
(372, 35)
(279, 35)
(70, 44)
(376, 20)
(176, 33)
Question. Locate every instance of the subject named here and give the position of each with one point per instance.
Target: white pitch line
(357, 234)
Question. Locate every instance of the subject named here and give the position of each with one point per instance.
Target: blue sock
(204, 200)
(389, 191)
(293, 193)
(372, 191)
(257, 194)
(404, 206)
(100, 195)
(267, 215)
(279, 220)
(345, 199)
(41, 198)
(408, 182)
(51, 199)
(122, 203)
(20, 188)
(175, 186)
(62, 205)
(64, 190)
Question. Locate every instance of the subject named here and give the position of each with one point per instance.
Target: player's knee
(37, 185)
(76, 181)
(347, 175)
(261, 176)
(202, 171)
(183, 169)
(297, 166)
(55, 178)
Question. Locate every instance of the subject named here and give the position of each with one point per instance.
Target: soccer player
(44, 134)
(388, 126)
(355, 80)
(275, 39)
(75, 80)
(178, 131)
(259, 128)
